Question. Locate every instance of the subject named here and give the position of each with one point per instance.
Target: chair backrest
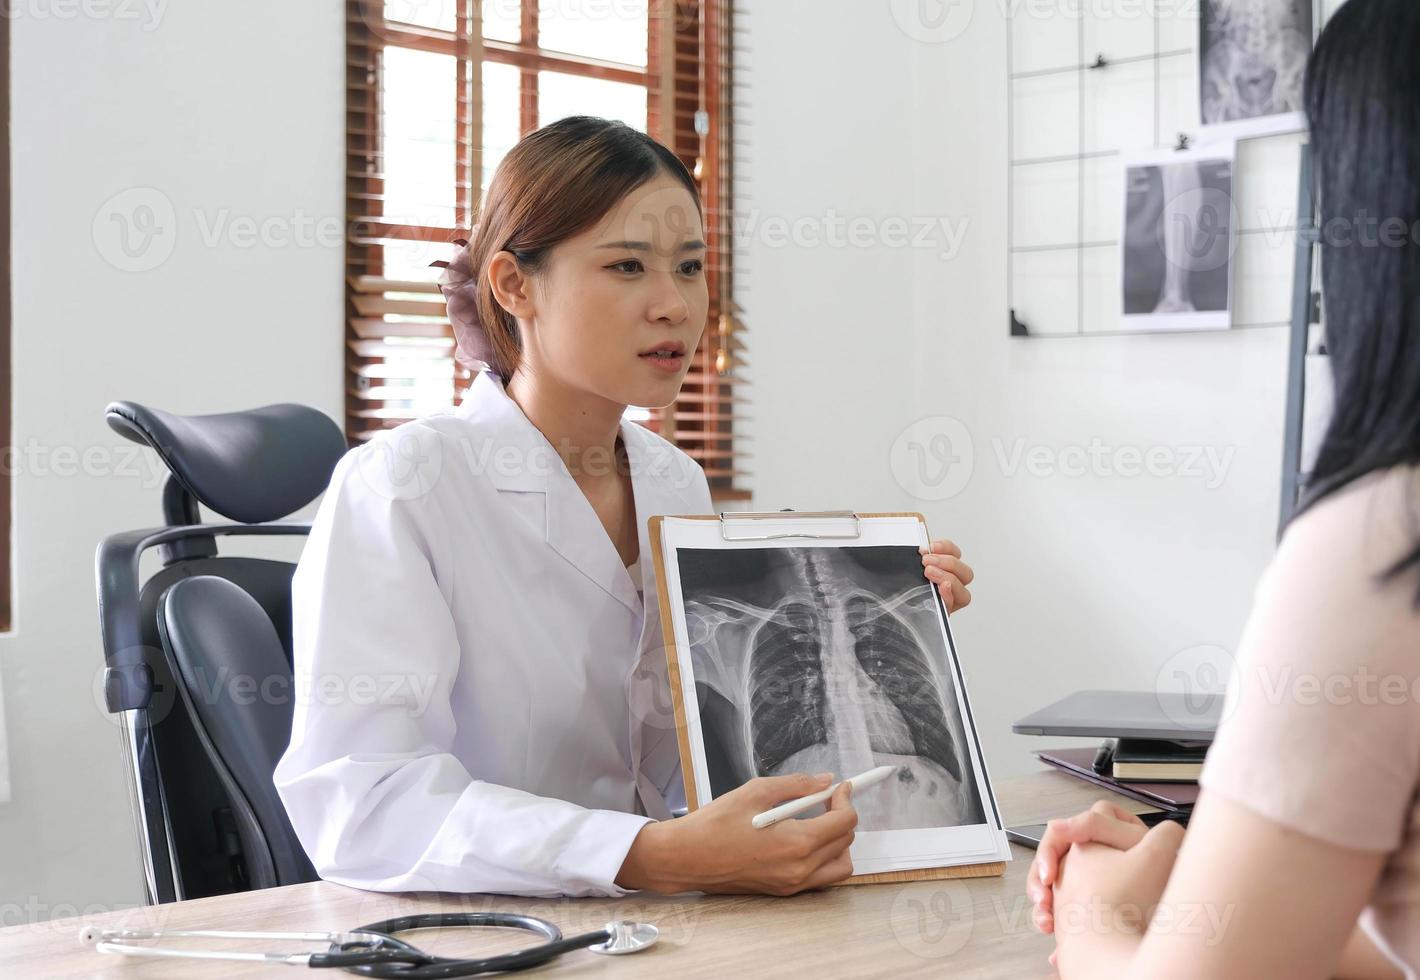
(200, 763)
(236, 685)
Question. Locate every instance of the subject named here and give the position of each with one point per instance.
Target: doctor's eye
(630, 266)
(693, 267)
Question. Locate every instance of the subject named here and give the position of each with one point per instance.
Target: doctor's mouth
(668, 357)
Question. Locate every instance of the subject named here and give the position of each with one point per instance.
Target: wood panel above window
(436, 95)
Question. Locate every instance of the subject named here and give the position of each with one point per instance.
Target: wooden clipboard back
(682, 725)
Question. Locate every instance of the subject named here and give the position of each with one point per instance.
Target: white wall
(228, 110)
(1083, 581)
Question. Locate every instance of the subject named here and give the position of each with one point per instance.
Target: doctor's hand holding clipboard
(943, 566)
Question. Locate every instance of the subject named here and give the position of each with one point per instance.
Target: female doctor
(488, 708)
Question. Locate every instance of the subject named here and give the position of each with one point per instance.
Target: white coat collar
(521, 459)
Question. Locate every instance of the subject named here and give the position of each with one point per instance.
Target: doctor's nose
(668, 304)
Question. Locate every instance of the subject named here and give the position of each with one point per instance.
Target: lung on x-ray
(829, 659)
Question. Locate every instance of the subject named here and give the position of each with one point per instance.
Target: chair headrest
(252, 467)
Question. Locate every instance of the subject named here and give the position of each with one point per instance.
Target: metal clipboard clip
(787, 514)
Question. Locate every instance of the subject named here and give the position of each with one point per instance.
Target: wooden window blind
(436, 94)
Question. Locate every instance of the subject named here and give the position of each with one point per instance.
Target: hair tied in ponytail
(459, 284)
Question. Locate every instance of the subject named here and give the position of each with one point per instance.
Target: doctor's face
(610, 297)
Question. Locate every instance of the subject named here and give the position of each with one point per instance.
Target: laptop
(1128, 714)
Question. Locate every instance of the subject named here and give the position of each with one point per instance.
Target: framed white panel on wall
(1044, 43)
(1178, 26)
(1045, 116)
(1122, 29)
(1103, 203)
(1048, 199)
(1178, 98)
(1117, 100)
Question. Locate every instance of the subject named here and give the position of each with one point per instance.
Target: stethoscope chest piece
(627, 937)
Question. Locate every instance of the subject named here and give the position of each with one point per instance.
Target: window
(437, 91)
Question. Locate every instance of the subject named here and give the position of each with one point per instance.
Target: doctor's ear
(511, 285)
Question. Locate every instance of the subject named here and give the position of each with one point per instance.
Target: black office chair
(198, 656)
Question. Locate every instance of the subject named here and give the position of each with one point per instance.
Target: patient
(1302, 858)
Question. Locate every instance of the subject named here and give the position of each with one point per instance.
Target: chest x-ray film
(826, 652)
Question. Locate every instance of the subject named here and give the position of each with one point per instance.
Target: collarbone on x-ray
(837, 674)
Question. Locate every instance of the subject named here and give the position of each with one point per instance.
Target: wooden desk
(978, 928)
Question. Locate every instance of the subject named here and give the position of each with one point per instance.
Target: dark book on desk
(1078, 763)
(1148, 760)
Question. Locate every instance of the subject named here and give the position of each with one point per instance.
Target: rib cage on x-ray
(829, 659)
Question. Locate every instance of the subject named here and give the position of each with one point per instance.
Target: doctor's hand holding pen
(943, 566)
(717, 848)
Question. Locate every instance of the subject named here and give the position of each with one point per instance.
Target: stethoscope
(373, 950)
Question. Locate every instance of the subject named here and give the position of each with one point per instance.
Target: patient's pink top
(1321, 726)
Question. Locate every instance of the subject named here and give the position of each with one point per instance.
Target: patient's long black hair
(1363, 102)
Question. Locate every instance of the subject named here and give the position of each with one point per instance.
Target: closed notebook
(1158, 760)
(1078, 762)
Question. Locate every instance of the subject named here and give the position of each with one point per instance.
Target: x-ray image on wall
(1252, 61)
(829, 660)
(1179, 238)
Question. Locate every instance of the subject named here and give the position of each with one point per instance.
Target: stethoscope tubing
(373, 950)
(398, 963)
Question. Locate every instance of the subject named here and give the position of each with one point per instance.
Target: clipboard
(852, 528)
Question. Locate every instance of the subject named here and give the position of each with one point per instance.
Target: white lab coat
(481, 702)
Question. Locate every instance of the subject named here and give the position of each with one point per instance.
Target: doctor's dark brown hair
(556, 183)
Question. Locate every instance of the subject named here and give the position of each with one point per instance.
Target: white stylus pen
(786, 810)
